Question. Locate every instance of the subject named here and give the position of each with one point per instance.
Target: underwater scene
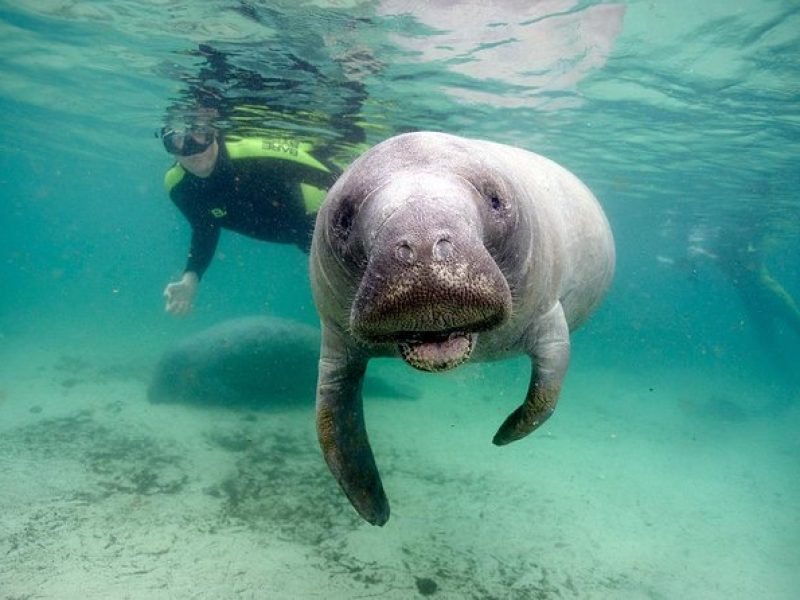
(292, 306)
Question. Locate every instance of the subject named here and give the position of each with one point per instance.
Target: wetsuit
(268, 189)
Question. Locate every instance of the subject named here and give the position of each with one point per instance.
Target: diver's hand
(180, 294)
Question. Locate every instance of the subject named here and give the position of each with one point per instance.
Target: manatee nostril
(442, 250)
(405, 253)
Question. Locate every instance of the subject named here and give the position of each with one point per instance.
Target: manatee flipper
(550, 358)
(341, 430)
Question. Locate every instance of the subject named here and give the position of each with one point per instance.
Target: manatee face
(420, 252)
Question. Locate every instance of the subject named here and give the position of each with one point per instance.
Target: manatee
(439, 249)
(248, 362)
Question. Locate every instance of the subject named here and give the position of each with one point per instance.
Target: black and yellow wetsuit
(268, 189)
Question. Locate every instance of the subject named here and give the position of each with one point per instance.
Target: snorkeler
(240, 138)
(267, 189)
(737, 248)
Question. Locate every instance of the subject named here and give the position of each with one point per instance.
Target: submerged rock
(426, 586)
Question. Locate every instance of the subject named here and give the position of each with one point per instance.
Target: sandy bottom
(665, 485)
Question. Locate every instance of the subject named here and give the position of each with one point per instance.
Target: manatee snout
(429, 289)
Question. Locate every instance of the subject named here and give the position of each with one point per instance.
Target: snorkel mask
(188, 139)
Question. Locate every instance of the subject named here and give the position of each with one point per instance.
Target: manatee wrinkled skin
(439, 249)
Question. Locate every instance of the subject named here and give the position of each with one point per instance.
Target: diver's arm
(205, 237)
(180, 294)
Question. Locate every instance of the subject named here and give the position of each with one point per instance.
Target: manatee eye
(493, 194)
(343, 220)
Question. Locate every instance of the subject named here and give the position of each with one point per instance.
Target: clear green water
(671, 467)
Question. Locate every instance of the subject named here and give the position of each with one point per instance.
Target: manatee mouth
(437, 352)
